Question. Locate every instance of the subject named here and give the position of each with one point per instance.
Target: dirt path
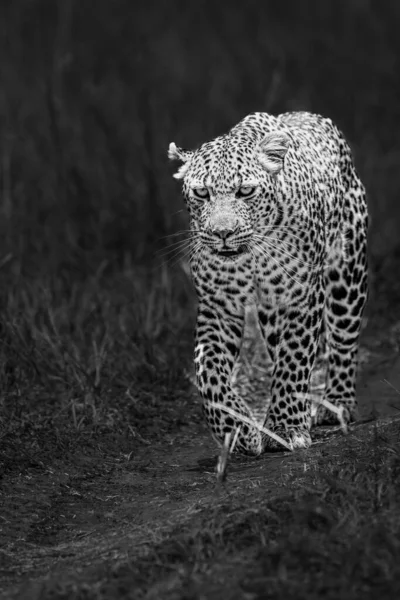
(70, 517)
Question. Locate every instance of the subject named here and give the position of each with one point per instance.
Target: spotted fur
(278, 217)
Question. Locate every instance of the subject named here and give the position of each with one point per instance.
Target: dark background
(93, 92)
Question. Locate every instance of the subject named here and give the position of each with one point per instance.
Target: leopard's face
(229, 186)
(223, 200)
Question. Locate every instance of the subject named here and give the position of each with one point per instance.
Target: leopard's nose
(222, 233)
(223, 230)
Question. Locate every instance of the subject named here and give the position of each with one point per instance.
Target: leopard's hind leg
(346, 282)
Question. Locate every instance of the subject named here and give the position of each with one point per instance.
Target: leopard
(278, 219)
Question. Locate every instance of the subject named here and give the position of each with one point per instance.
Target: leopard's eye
(202, 193)
(246, 191)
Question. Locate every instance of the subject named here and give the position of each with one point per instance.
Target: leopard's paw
(294, 438)
(342, 415)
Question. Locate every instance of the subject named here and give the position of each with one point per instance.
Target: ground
(105, 512)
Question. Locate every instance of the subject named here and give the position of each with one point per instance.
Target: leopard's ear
(272, 150)
(175, 153)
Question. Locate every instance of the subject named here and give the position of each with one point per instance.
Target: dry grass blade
(252, 423)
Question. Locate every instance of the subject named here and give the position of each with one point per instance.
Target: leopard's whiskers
(188, 254)
(181, 232)
(275, 229)
(298, 259)
(174, 249)
(268, 256)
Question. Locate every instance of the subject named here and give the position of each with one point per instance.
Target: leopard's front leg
(295, 348)
(218, 338)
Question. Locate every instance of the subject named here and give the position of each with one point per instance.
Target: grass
(97, 310)
(90, 351)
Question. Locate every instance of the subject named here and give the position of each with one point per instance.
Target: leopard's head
(230, 188)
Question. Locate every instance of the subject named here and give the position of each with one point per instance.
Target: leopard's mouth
(231, 252)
